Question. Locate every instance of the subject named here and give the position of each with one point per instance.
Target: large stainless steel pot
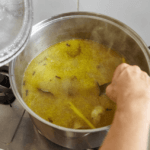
(83, 25)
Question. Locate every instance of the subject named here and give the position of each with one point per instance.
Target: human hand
(130, 88)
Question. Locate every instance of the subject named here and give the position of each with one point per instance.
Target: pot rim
(69, 15)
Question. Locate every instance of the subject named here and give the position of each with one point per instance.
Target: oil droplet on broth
(68, 72)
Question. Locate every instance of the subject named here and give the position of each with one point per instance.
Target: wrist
(139, 107)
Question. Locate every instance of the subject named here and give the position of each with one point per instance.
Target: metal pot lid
(15, 26)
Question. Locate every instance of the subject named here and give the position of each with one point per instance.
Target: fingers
(144, 75)
(110, 92)
(119, 69)
(135, 69)
(128, 81)
(110, 88)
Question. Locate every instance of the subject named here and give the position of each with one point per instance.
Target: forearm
(128, 131)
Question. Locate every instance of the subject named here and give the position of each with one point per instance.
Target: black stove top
(6, 94)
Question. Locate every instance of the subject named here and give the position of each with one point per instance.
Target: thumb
(110, 92)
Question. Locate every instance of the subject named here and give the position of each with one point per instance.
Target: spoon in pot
(102, 88)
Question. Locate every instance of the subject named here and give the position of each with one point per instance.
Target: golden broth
(61, 84)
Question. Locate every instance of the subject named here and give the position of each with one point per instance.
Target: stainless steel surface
(28, 138)
(99, 28)
(15, 27)
(9, 120)
(69, 139)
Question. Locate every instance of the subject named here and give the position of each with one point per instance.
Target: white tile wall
(134, 13)
(44, 9)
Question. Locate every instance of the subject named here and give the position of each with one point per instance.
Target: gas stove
(6, 95)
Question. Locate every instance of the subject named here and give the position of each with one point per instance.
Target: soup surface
(62, 84)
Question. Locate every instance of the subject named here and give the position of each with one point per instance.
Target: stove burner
(6, 94)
